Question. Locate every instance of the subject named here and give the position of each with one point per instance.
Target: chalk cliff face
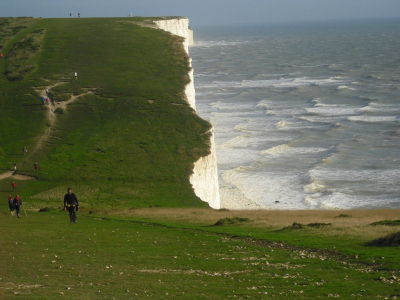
(205, 177)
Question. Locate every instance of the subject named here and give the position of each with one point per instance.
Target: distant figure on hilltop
(79, 15)
(70, 15)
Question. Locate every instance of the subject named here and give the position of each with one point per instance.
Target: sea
(306, 115)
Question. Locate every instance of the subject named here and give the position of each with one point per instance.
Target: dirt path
(52, 117)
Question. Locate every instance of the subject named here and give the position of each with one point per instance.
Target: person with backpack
(11, 205)
(71, 204)
(17, 204)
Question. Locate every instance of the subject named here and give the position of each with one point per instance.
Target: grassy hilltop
(124, 138)
(130, 139)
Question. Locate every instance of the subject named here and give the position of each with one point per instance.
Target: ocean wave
(286, 149)
(221, 43)
(382, 108)
(344, 87)
(315, 186)
(282, 124)
(239, 141)
(374, 119)
(334, 110)
(277, 83)
(269, 190)
(321, 119)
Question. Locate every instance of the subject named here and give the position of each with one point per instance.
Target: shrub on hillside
(231, 221)
(391, 240)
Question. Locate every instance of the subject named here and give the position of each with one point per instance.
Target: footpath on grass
(52, 117)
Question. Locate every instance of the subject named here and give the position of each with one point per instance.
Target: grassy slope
(130, 257)
(114, 147)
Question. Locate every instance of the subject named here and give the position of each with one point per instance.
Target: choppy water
(306, 115)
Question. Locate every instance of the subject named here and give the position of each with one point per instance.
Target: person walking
(36, 166)
(17, 204)
(71, 204)
(1, 55)
(11, 205)
(24, 150)
(14, 185)
(15, 166)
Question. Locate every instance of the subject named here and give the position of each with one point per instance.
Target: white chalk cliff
(205, 176)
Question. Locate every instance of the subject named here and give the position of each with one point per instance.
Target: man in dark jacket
(71, 203)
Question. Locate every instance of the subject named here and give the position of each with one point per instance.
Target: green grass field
(128, 255)
(123, 137)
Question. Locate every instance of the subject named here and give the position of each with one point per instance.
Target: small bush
(318, 225)
(297, 226)
(390, 240)
(387, 223)
(44, 209)
(231, 221)
(343, 216)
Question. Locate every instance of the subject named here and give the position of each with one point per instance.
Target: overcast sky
(203, 12)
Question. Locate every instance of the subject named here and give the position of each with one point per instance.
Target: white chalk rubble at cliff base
(205, 176)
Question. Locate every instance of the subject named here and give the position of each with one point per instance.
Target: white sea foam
(269, 190)
(276, 83)
(334, 110)
(374, 119)
(221, 43)
(286, 149)
(344, 87)
(393, 108)
(320, 119)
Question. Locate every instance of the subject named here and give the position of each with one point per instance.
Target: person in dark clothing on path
(36, 166)
(11, 205)
(17, 204)
(71, 203)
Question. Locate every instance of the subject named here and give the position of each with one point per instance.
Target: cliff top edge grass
(129, 139)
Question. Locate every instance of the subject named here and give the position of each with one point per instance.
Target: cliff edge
(205, 176)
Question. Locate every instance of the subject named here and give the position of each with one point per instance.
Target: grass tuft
(231, 221)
